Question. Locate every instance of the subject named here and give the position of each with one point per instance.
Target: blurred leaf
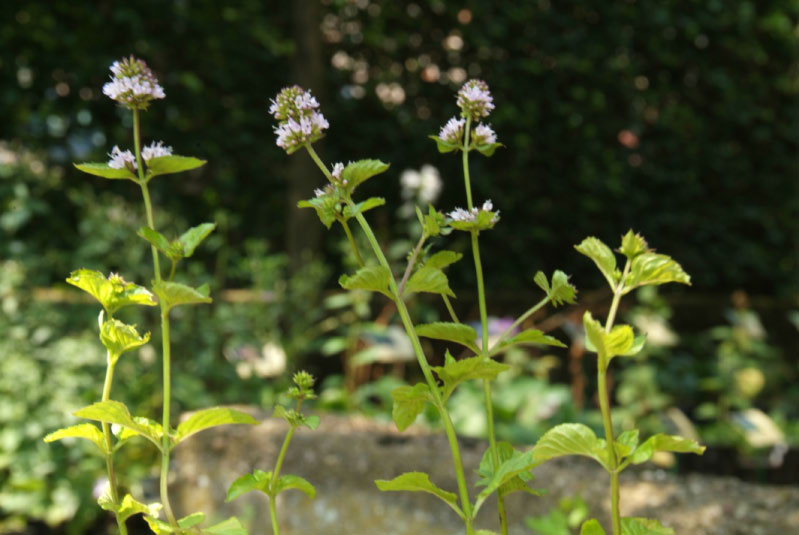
(455, 372)
(602, 256)
(288, 482)
(409, 402)
(87, 431)
(428, 279)
(112, 292)
(419, 482)
(258, 480)
(212, 417)
(190, 239)
(653, 269)
(164, 165)
(103, 170)
(175, 294)
(371, 278)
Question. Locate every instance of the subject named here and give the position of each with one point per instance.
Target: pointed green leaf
(451, 332)
(356, 173)
(626, 443)
(643, 526)
(409, 402)
(258, 480)
(310, 421)
(212, 417)
(602, 256)
(560, 291)
(505, 452)
(190, 239)
(231, 526)
(103, 170)
(87, 431)
(175, 294)
(113, 292)
(619, 341)
(633, 245)
(444, 146)
(326, 207)
(508, 470)
(488, 149)
(652, 269)
(191, 520)
(118, 338)
(419, 482)
(533, 336)
(455, 372)
(429, 279)
(114, 412)
(432, 223)
(592, 527)
(125, 434)
(165, 165)
(159, 527)
(661, 442)
(157, 240)
(294, 482)
(571, 439)
(370, 278)
(294, 418)
(361, 207)
(442, 259)
(130, 506)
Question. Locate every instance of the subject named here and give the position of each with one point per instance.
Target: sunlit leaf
(653, 269)
(571, 439)
(419, 482)
(356, 173)
(288, 482)
(157, 240)
(361, 207)
(190, 239)
(507, 471)
(409, 402)
(231, 526)
(619, 341)
(175, 294)
(112, 292)
(191, 520)
(661, 442)
(208, 418)
(455, 372)
(602, 256)
(165, 165)
(87, 431)
(114, 412)
(258, 480)
(103, 170)
(429, 279)
(370, 278)
(633, 245)
(592, 527)
(532, 336)
(559, 291)
(118, 338)
(451, 332)
(505, 452)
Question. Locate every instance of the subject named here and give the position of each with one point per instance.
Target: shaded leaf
(114, 412)
(455, 372)
(643, 526)
(485, 220)
(559, 291)
(87, 431)
(451, 332)
(508, 470)
(442, 259)
(165, 165)
(191, 520)
(157, 240)
(602, 256)
(231, 526)
(409, 402)
(356, 173)
(444, 146)
(212, 417)
(326, 208)
(258, 480)
(361, 207)
(654, 269)
(103, 170)
(288, 482)
(429, 279)
(488, 149)
(419, 482)
(533, 336)
(571, 439)
(113, 292)
(505, 452)
(626, 443)
(370, 278)
(190, 239)
(175, 294)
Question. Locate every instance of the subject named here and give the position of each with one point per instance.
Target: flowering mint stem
(449, 429)
(604, 405)
(276, 475)
(352, 243)
(165, 344)
(478, 268)
(109, 458)
(411, 263)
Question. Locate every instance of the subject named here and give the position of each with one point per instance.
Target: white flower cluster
(475, 100)
(470, 216)
(452, 132)
(484, 135)
(120, 159)
(155, 150)
(300, 122)
(133, 84)
(424, 184)
(338, 168)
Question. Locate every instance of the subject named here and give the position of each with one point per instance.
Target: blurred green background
(677, 118)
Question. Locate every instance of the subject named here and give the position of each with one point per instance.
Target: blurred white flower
(155, 150)
(424, 184)
(452, 132)
(484, 135)
(120, 159)
(133, 83)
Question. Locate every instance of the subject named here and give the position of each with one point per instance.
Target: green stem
(109, 458)
(411, 262)
(604, 405)
(481, 296)
(275, 477)
(352, 242)
(165, 344)
(450, 309)
(273, 515)
(530, 311)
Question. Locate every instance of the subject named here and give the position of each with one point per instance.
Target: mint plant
(642, 267)
(503, 469)
(272, 483)
(135, 87)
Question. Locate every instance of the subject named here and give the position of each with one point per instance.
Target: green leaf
(602, 256)
(190, 239)
(653, 269)
(118, 338)
(231, 526)
(455, 372)
(310, 421)
(643, 526)
(165, 165)
(442, 259)
(451, 332)
(175, 294)
(509, 469)
(212, 417)
(258, 480)
(409, 402)
(560, 291)
(485, 532)
(592, 527)
(444, 146)
(485, 220)
(626, 443)
(432, 222)
(632, 245)
(326, 208)
(370, 278)
(505, 452)
(87, 431)
(113, 292)
(356, 173)
(619, 341)
(159, 527)
(571, 439)
(294, 482)
(419, 482)
(532, 336)
(103, 170)
(295, 418)
(428, 279)
(361, 207)
(129, 507)
(157, 240)
(191, 520)
(114, 412)
(661, 442)
(488, 149)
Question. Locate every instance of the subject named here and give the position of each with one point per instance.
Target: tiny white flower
(487, 206)
(318, 192)
(484, 135)
(338, 168)
(452, 132)
(155, 150)
(133, 83)
(459, 214)
(120, 159)
(475, 100)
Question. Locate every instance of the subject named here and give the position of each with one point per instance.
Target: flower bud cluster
(475, 101)
(120, 158)
(304, 388)
(470, 216)
(300, 122)
(133, 84)
(452, 132)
